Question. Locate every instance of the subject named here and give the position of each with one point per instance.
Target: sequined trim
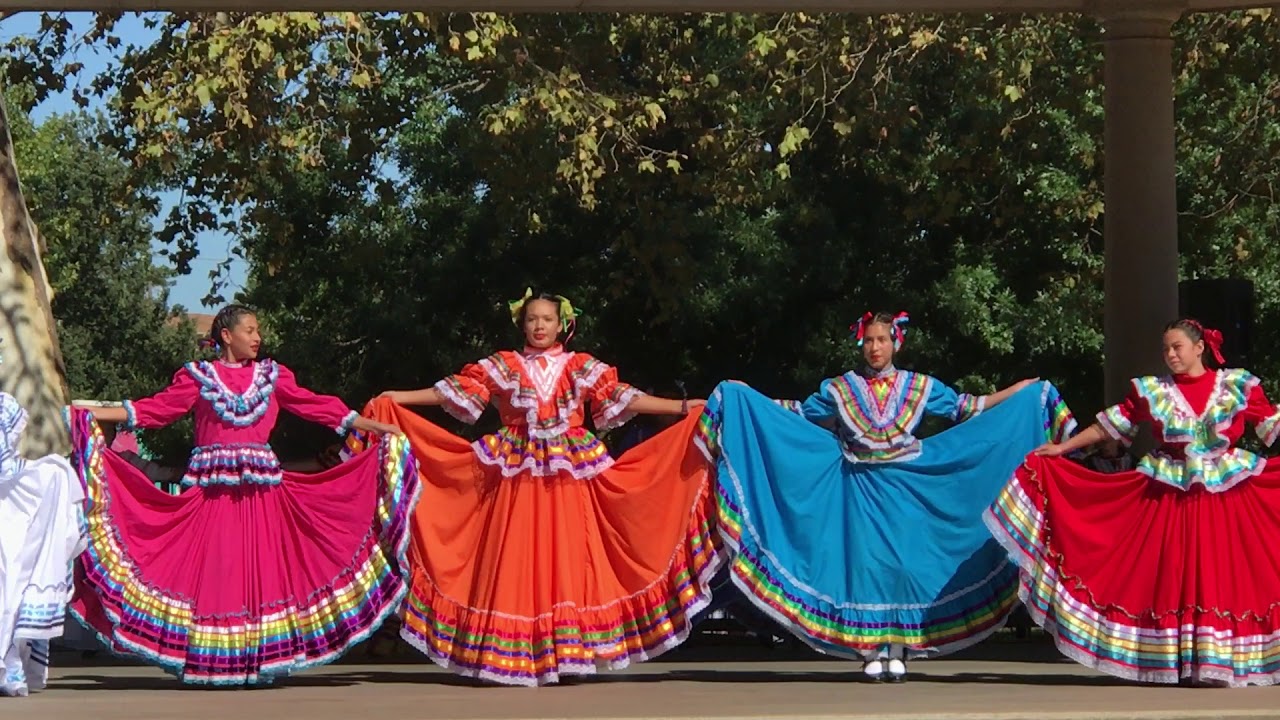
(233, 464)
(873, 432)
(507, 371)
(1116, 425)
(131, 415)
(1060, 423)
(969, 406)
(1218, 472)
(1209, 458)
(459, 403)
(1269, 430)
(577, 453)
(237, 409)
(615, 411)
(794, 406)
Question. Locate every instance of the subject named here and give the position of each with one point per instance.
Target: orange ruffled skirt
(521, 580)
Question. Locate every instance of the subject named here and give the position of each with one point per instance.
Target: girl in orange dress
(534, 553)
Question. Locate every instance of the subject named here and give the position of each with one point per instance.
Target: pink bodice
(236, 407)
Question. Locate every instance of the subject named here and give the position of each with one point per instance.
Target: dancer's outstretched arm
(155, 411)
(996, 398)
(107, 414)
(1093, 434)
(650, 405)
(424, 397)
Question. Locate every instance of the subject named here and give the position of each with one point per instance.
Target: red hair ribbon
(897, 327)
(859, 329)
(900, 328)
(1212, 338)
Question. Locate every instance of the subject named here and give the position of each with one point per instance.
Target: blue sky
(214, 248)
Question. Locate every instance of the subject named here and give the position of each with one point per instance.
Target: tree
(33, 370)
(749, 179)
(1229, 162)
(117, 334)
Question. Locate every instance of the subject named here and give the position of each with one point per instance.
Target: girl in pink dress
(252, 572)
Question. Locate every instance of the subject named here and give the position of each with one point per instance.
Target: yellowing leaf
(655, 113)
(793, 139)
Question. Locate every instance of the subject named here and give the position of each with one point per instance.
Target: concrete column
(1140, 223)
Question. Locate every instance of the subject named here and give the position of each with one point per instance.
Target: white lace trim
(461, 406)
(530, 405)
(617, 413)
(1268, 430)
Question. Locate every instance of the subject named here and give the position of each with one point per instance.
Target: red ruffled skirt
(1143, 580)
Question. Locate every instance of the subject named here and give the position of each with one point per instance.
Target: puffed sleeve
(944, 401)
(820, 408)
(165, 406)
(324, 410)
(610, 397)
(467, 393)
(1121, 421)
(1263, 415)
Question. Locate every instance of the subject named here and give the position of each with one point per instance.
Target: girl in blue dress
(858, 537)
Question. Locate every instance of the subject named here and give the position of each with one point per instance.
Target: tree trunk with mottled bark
(32, 370)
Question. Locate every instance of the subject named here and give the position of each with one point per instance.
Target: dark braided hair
(549, 297)
(226, 319)
(1194, 330)
(554, 300)
(1190, 326)
(1197, 332)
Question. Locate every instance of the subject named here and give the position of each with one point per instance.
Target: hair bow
(568, 313)
(1212, 339)
(517, 305)
(897, 328)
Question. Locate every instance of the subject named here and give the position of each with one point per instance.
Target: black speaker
(1225, 304)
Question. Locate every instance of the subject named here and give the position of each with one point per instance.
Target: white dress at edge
(41, 532)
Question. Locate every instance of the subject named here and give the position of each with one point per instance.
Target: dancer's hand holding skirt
(853, 556)
(536, 559)
(241, 584)
(1168, 572)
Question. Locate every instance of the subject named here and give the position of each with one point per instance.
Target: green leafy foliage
(117, 334)
(724, 192)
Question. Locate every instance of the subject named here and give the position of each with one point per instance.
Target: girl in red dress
(1169, 572)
